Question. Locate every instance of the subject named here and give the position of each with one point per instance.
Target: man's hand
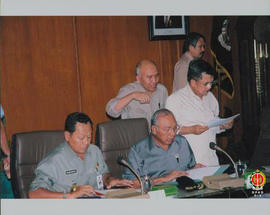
(119, 182)
(194, 129)
(198, 129)
(174, 174)
(84, 190)
(227, 125)
(142, 97)
(198, 165)
(136, 184)
(171, 176)
(6, 162)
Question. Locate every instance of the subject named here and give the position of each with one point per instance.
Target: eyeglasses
(169, 129)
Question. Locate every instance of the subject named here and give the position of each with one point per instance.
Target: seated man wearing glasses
(193, 107)
(163, 156)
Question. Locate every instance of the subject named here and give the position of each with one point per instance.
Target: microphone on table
(121, 161)
(214, 146)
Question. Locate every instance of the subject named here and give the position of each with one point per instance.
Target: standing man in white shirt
(194, 48)
(193, 107)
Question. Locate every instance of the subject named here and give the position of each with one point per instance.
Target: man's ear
(190, 47)
(67, 135)
(138, 78)
(154, 129)
(192, 83)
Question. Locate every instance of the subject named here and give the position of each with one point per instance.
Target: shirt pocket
(64, 182)
(69, 177)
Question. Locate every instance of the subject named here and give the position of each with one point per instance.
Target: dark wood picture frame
(168, 27)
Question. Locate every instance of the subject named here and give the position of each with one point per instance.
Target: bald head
(147, 75)
(144, 63)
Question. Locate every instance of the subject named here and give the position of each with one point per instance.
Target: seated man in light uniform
(141, 98)
(193, 107)
(163, 156)
(75, 162)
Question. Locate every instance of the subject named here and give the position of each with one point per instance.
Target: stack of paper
(221, 121)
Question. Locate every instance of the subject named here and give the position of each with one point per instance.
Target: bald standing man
(141, 98)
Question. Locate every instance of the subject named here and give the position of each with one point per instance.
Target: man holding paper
(194, 107)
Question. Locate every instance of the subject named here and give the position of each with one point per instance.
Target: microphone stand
(234, 165)
(215, 147)
(121, 161)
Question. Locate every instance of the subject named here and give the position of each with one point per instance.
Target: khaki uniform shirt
(62, 168)
(135, 109)
(181, 71)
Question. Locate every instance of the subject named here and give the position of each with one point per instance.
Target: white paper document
(157, 194)
(199, 173)
(220, 121)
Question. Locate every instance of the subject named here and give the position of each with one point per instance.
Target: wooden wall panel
(55, 65)
(168, 58)
(39, 83)
(109, 49)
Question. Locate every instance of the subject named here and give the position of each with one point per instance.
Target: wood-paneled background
(51, 66)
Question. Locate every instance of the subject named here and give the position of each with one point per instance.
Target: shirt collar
(192, 94)
(152, 143)
(73, 154)
(69, 150)
(188, 56)
(140, 87)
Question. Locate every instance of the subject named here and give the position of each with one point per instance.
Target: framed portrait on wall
(167, 27)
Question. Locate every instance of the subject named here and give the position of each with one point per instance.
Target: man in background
(75, 168)
(193, 48)
(141, 98)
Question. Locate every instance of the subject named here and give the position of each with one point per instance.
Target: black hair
(75, 117)
(197, 67)
(191, 39)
